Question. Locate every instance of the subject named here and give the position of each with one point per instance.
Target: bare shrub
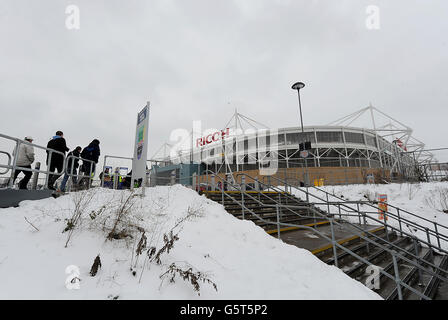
(81, 201)
(412, 189)
(438, 200)
(169, 239)
(121, 221)
(194, 277)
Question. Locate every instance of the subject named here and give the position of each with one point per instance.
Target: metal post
(102, 176)
(48, 168)
(397, 276)
(213, 183)
(35, 176)
(399, 221)
(115, 179)
(90, 176)
(193, 181)
(437, 234)
(428, 237)
(359, 212)
(14, 164)
(278, 222)
(420, 276)
(70, 177)
(333, 241)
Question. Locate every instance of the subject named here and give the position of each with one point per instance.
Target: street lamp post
(297, 86)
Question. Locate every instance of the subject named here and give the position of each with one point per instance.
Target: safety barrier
(14, 167)
(397, 253)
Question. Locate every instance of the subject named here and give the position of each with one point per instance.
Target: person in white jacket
(25, 157)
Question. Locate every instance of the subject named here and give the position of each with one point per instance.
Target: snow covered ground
(240, 258)
(426, 200)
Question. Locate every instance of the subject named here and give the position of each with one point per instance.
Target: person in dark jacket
(72, 167)
(92, 153)
(55, 161)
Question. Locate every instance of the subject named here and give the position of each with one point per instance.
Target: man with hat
(25, 157)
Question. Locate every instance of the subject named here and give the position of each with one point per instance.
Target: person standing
(72, 167)
(25, 157)
(56, 160)
(92, 153)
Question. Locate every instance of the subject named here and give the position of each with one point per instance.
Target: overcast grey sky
(201, 59)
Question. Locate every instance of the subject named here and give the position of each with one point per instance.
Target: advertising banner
(140, 148)
(382, 206)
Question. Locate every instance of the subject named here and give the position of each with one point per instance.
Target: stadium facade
(338, 154)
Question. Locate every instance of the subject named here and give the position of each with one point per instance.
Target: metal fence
(10, 167)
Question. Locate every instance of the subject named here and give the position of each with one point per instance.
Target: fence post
(102, 176)
(397, 276)
(359, 213)
(90, 175)
(35, 176)
(213, 183)
(242, 201)
(399, 221)
(14, 164)
(385, 225)
(416, 260)
(48, 168)
(437, 234)
(333, 241)
(278, 222)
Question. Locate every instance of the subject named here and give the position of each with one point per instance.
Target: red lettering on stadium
(213, 137)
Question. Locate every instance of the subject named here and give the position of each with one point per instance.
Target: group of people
(55, 161)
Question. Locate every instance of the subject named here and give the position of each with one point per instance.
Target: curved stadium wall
(338, 155)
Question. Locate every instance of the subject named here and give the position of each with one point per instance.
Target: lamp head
(298, 86)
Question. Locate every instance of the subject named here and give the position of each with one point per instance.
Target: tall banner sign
(140, 148)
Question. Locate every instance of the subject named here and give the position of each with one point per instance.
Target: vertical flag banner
(382, 206)
(141, 147)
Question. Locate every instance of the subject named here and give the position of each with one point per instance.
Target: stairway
(267, 207)
(264, 205)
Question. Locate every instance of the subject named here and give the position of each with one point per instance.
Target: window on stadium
(329, 136)
(353, 137)
(370, 140)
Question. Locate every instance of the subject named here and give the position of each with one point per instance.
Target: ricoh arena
(338, 153)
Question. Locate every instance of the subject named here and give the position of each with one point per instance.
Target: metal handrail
(80, 176)
(371, 234)
(47, 172)
(335, 244)
(375, 236)
(9, 161)
(390, 213)
(387, 214)
(14, 166)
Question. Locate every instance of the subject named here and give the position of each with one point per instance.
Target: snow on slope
(243, 261)
(426, 199)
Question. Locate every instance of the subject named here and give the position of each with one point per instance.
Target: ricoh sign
(212, 137)
(229, 145)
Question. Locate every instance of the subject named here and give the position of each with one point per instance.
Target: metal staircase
(408, 266)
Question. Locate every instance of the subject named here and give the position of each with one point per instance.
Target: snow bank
(239, 257)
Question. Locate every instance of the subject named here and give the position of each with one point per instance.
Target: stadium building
(338, 153)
